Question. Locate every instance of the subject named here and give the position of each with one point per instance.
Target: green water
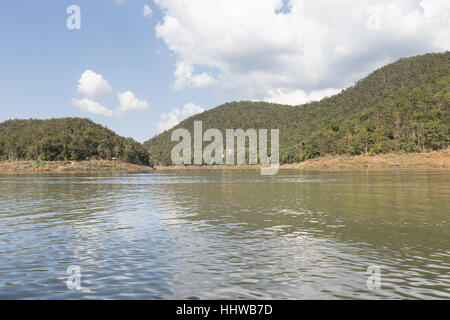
(226, 235)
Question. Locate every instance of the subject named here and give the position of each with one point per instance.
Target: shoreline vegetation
(427, 160)
(107, 166)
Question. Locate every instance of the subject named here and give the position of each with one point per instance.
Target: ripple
(225, 235)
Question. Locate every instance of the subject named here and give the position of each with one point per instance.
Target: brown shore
(427, 160)
(22, 167)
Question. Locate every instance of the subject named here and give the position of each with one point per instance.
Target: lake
(226, 234)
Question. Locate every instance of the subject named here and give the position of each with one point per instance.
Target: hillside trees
(66, 139)
(402, 107)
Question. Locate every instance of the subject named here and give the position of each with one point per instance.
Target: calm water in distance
(227, 234)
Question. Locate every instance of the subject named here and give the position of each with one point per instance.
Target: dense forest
(66, 139)
(402, 107)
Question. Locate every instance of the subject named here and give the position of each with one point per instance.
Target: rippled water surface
(226, 234)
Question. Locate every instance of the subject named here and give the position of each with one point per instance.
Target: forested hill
(66, 139)
(403, 106)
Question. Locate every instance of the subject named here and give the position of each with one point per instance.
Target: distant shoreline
(427, 160)
(90, 166)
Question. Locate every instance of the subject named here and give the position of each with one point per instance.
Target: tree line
(66, 139)
(402, 107)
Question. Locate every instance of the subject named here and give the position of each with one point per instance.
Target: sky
(140, 67)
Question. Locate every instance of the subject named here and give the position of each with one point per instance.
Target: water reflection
(226, 234)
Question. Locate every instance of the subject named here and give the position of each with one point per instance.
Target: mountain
(66, 139)
(403, 106)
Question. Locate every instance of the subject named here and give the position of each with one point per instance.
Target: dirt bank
(427, 160)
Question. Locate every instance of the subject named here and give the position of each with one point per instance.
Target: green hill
(403, 106)
(66, 139)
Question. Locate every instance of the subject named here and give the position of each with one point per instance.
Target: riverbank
(428, 160)
(19, 167)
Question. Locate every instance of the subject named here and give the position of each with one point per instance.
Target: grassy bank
(69, 166)
(428, 160)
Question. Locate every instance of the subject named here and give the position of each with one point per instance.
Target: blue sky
(41, 62)
(188, 56)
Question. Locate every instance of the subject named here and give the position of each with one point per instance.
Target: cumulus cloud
(91, 106)
(170, 119)
(93, 85)
(147, 11)
(279, 46)
(185, 77)
(129, 103)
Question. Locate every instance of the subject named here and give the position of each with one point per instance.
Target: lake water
(227, 234)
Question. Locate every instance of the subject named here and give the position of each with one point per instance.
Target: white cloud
(93, 85)
(254, 51)
(147, 11)
(91, 106)
(129, 103)
(174, 117)
(185, 78)
(297, 97)
(119, 1)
